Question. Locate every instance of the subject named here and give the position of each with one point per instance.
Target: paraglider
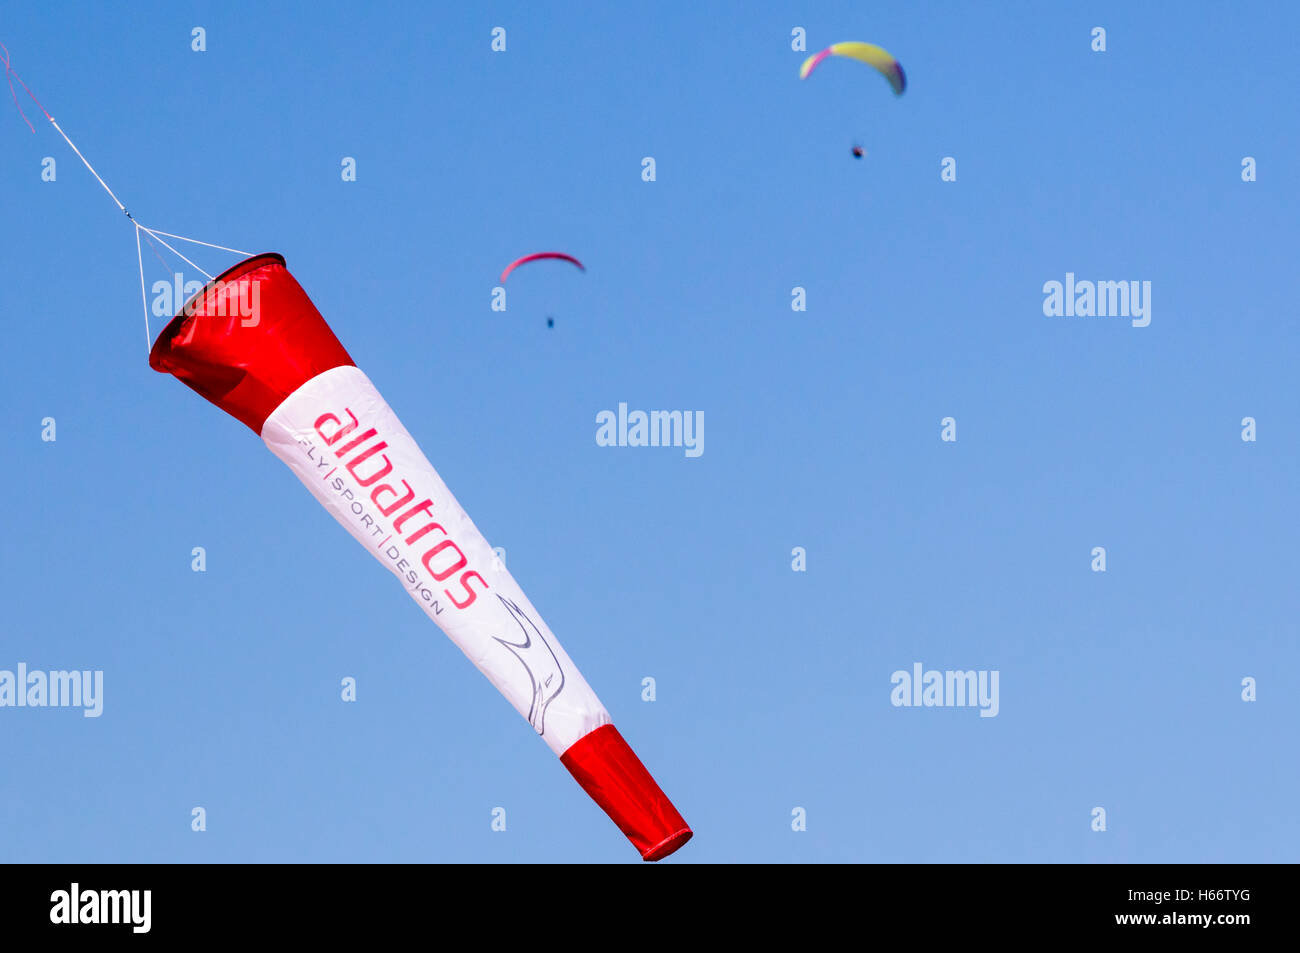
(540, 256)
(868, 53)
(251, 342)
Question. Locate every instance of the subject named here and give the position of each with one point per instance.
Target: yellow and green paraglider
(867, 53)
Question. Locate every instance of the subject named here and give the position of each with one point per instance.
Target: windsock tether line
(149, 233)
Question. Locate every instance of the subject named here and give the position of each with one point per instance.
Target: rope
(174, 251)
(149, 233)
(153, 248)
(10, 76)
(144, 299)
(195, 241)
(91, 168)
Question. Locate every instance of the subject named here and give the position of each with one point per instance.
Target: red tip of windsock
(609, 770)
(248, 339)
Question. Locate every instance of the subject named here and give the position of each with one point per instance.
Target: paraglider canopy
(540, 256)
(867, 53)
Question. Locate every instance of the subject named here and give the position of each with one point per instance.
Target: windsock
(252, 343)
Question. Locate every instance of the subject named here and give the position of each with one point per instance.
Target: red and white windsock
(252, 343)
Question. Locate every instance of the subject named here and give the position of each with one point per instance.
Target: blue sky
(1119, 689)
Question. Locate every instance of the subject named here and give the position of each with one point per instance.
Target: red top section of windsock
(609, 770)
(248, 339)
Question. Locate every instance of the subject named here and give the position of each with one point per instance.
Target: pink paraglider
(540, 256)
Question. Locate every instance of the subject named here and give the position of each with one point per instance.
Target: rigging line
(154, 248)
(144, 299)
(174, 251)
(91, 168)
(195, 241)
(10, 75)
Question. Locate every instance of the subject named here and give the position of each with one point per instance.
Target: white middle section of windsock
(348, 447)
